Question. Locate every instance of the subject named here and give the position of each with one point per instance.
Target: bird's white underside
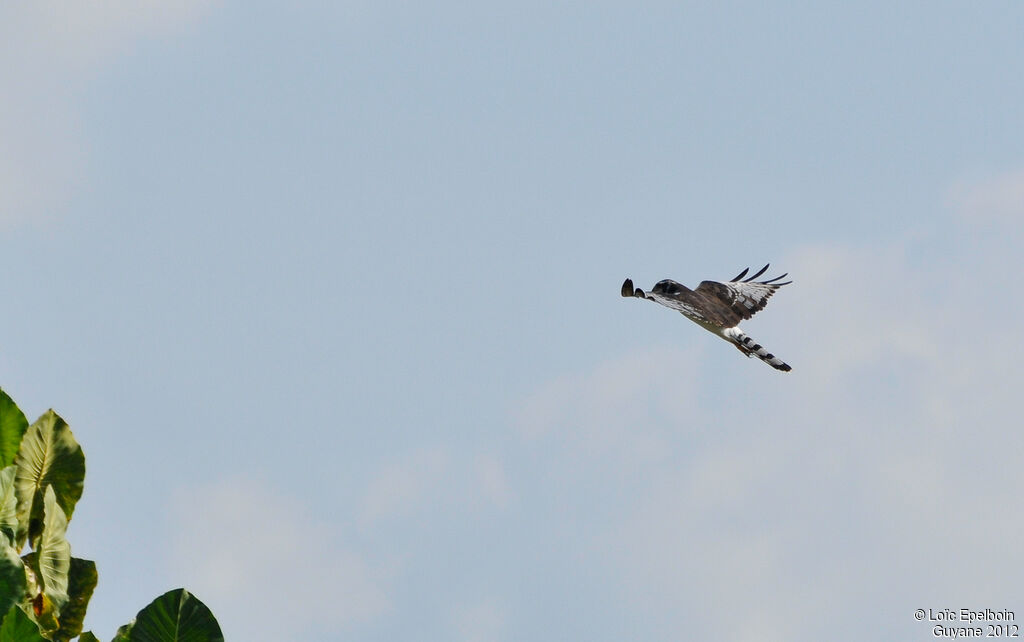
(688, 311)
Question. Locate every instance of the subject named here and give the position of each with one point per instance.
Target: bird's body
(719, 307)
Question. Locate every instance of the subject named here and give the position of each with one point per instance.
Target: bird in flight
(719, 307)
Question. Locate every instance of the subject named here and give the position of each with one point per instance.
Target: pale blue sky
(329, 295)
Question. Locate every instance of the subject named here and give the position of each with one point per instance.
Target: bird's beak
(627, 288)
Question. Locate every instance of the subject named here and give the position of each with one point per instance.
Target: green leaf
(124, 633)
(49, 456)
(12, 577)
(175, 616)
(88, 637)
(54, 552)
(8, 505)
(81, 583)
(47, 568)
(12, 426)
(18, 627)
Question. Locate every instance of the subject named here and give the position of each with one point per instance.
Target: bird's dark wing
(744, 298)
(696, 306)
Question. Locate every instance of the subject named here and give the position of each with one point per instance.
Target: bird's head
(668, 287)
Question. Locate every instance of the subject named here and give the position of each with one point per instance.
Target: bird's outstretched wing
(746, 297)
(699, 307)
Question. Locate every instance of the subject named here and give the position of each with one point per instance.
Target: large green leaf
(81, 583)
(88, 637)
(48, 567)
(12, 577)
(53, 552)
(49, 456)
(18, 627)
(12, 426)
(8, 505)
(175, 616)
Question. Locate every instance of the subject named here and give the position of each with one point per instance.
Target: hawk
(719, 307)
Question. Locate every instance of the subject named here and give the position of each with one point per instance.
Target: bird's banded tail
(751, 348)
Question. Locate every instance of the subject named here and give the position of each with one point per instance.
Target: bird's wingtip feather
(759, 273)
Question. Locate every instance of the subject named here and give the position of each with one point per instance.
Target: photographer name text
(970, 623)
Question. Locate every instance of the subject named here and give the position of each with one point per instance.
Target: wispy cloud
(620, 408)
(76, 37)
(246, 548)
(995, 199)
(50, 50)
(426, 480)
(480, 621)
(403, 485)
